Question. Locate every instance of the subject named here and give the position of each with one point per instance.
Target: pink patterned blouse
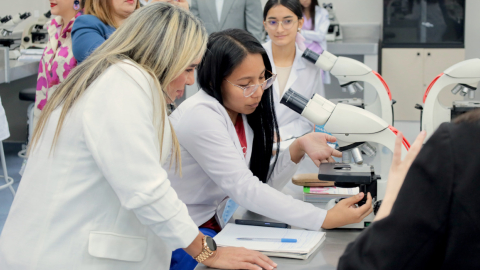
(56, 63)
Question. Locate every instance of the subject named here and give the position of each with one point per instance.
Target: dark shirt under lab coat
(435, 221)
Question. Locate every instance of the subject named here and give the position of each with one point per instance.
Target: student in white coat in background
(315, 29)
(283, 20)
(226, 133)
(94, 195)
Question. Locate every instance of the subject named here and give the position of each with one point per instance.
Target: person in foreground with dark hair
(429, 217)
(226, 132)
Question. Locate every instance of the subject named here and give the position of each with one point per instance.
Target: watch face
(211, 243)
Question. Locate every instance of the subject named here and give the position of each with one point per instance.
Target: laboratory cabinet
(424, 23)
(409, 71)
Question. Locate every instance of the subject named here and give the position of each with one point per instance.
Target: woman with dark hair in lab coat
(283, 20)
(226, 132)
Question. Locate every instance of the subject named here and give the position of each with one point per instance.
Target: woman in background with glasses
(283, 20)
(226, 133)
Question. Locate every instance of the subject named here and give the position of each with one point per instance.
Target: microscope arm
(349, 124)
(15, 20)
(466, 75)
(348, 72)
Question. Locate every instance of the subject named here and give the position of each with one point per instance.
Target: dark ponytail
(225, 51)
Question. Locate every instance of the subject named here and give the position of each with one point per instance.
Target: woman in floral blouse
(57, 60)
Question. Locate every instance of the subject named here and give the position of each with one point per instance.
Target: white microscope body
(349, 72)
(352, 126)
(36, 34)
(465, 75)
(6, 29)
(15, 20)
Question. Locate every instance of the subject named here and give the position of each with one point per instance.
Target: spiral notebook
(307, 241)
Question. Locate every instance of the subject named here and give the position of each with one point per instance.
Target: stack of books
(325, 194)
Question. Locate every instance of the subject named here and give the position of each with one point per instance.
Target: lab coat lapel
(213, 10)
(233, 134)
(298, 65)
(249, 137)
(227, 5)
(268, 49)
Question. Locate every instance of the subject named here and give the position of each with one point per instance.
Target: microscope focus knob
(26, 39)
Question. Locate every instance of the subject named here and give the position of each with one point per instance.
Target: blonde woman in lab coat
(283, 19)
(94, 195)
(226, 133)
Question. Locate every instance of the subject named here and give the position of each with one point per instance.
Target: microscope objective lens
(346, 157)
(456, 89)
(471, 94)
(357, 155)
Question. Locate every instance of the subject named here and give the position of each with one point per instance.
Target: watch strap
(206, 252)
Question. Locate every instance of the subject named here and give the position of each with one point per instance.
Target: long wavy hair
(161, 39)
(225, 51)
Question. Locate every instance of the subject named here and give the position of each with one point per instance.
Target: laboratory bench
(327, 255)
(12, 70)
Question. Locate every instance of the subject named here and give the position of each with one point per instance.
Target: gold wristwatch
(209, 248)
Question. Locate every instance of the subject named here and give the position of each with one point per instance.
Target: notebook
(307, 241)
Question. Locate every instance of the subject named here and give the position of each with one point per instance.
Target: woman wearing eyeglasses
(283, 19)
(226, 132)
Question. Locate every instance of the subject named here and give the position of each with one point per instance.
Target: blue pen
(283, 240)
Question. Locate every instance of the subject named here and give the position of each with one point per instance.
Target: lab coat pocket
(117, 246)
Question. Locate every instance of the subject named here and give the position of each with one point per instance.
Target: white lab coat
(306, 79)
(101, 200)
(319, 34)
(214, 167)
(4, 130)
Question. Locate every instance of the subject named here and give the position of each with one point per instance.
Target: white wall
(356, 11)
(11, 7)
(472, 29)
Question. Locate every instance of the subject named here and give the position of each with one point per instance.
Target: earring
(76, 5)
(298, 30)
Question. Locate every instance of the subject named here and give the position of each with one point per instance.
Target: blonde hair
(160, 38)
(103, 10)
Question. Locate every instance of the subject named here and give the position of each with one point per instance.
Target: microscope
(6, 31)
(465, 76)
(36, 34)
(352, 127)
(334, 32)
(349, 73)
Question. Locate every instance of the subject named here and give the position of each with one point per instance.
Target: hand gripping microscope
(349, 72)
(352, 126)
(465, 76)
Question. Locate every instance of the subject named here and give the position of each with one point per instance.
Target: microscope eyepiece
(294, 101)
(310, 55)
(25, 15)
(5, 19)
